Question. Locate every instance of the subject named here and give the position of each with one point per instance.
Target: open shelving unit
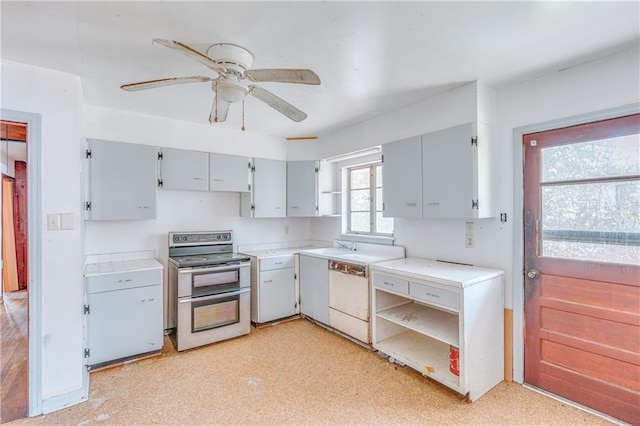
(415, 328)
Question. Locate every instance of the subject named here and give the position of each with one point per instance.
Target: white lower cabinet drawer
(435, 295)
(388, 282)
(123, 280)
(349, 325)
(278, 262)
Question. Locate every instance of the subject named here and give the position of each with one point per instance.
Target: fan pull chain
(243, 115)
(215, 118)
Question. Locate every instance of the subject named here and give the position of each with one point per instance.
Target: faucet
(347, 245)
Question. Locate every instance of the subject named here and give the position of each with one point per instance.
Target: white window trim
(372, 237)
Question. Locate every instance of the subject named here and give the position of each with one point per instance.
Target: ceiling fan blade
(192, 53)
(283, 76)
(151, 84)
(219, 111)
(277, 103)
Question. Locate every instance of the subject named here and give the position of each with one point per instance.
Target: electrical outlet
(469, 235)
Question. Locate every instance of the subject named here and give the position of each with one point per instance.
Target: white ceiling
(371, 56)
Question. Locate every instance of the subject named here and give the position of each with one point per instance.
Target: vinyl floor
(294, 373)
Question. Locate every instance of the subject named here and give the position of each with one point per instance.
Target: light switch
(53, 222)
(66, 221)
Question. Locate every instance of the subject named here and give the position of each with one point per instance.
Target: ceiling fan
(233, 65)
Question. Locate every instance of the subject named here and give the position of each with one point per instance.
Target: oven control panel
(199, 238)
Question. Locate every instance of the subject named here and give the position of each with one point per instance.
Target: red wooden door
(20, 224)
(582, 264)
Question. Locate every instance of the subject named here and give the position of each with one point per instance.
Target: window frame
(373, 186)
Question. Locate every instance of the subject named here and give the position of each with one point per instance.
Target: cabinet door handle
(277, 263)
(143, 207)
(412, 204)
(389, 284)
(218, 180)
(267, 281)
(433, 204)
(128, 280)
(196, 178)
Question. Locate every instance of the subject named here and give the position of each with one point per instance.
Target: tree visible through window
(365, 201)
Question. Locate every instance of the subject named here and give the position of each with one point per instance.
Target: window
(364, 210)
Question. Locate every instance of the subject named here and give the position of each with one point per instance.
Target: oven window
(215, 282)
(215, 313)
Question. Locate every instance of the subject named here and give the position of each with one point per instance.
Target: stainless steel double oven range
(209, 288)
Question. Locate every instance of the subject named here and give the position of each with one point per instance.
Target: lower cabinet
(124, 316)
(314, 288)
(274, 294)
(447, 324)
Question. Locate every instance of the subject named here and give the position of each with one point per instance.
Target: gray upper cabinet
(122, 181)
(402, 178)
(268, 196)
(184, 170)
(457, 172)
(302, 184)
(228, 173)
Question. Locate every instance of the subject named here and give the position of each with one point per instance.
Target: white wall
(58, 98)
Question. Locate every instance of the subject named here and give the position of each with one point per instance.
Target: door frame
(34, 197)
(518, 214)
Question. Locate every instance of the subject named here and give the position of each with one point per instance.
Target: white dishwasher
(124, 313)
(349, 299)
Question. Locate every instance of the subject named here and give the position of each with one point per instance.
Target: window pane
(360, 222)
(384, 225)
(597, 221)
(360, 178)
(360, 200)
(595, 159)
(378, 176)
(379, 199)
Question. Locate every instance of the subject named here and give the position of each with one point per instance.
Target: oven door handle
(213, 269)
(215, 296)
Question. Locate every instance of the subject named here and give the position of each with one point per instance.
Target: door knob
(533, 273)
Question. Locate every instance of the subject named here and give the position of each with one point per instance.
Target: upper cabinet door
(449, 173)
(302, 186)
(184, 170)
(269, 188)
(228, 173)
(402, 178)
(122, 181)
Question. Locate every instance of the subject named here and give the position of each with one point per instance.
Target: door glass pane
(360, 222)
(592, 221)
(360, 200)
(360, 178)
(594, 159)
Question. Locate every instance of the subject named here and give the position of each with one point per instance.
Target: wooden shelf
(432, 322)
(426, 355)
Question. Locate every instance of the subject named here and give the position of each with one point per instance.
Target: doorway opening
(14, 284)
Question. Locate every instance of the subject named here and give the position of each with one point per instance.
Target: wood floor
(14, 352)
(294, 373)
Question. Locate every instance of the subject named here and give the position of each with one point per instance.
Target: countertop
(113, 263)
(364, 254)
(437, 271)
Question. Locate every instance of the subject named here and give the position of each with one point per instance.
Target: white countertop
(276, 252)
(113, 263)
(437, 271)
(364, 254)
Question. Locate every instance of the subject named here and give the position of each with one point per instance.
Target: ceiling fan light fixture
(230, 92)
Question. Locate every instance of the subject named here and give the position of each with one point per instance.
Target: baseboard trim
(64, 400)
